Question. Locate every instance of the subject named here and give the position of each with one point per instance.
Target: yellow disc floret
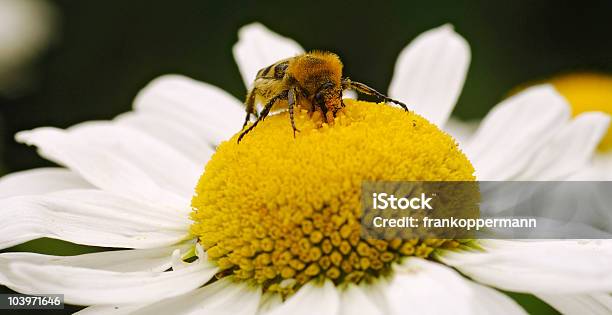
(280, 211)
(587, 92)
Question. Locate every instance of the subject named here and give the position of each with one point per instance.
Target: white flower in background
(26, 27)
(127, 183)
(588, 91)
(585, 92)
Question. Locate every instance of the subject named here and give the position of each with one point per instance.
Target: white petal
(269, 301)
(460, 130)
(169, 169)
(362, 299)
(310, 299)
(119, 160)
(429, 73)
(593, 171)
(109, 309)
(40, 181)
(258, 47)
(84, 286)
(156, 259)
(350, 94)
(603, 163)
(419, 285)
(490, 301)
(544, 267)
(600, 169)
(570, 149)
(208, 111)
(598, 304)
(514, 130)
(224, 296)
(90, 217)
(180, 138)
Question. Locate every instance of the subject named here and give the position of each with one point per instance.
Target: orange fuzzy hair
(316, 64)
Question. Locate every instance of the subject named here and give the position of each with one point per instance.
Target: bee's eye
(321, 91)
(319, 98)
(325, 86)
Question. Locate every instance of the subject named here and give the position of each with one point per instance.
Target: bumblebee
(312, 80)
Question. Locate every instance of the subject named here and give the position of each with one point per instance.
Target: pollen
(280, 211)
(588, 92)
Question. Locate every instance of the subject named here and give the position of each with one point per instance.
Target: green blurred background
(104, 52)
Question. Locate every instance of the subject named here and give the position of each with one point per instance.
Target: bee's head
(319, 75)
(328, 96)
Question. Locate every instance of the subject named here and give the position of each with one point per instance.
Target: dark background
(106, 51)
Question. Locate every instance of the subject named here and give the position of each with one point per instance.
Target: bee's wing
(274, 71)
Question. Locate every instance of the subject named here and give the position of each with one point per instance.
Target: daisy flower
(589, 91)
(272, 227)
(585, 92)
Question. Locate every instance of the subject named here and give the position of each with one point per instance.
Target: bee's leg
(246, 119)
(250, 106)
(291, 102)
(341, 103)
(318, 99)
(324, 110)
(362, 88)
(264, 113)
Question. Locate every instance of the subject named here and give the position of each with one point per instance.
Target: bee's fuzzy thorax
(314, 65)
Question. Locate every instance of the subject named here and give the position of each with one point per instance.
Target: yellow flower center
(280, 211)
(587, 92)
